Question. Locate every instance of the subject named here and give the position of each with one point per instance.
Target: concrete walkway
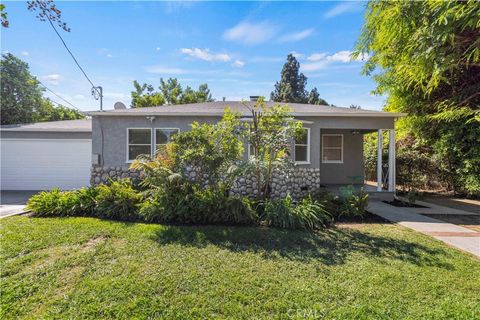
(456, 236)
(13, 202)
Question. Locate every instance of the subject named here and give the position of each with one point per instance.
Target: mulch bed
(368, 218)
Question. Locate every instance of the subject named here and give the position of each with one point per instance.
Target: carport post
(379, 160)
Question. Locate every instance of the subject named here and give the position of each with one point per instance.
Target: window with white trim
(302, 147)
(164, 136)
(139, 142)
(332, 148)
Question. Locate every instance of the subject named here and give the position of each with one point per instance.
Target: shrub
(63, 203)
(353, 204)
(119, 201)
(186, 203)
(308, 214)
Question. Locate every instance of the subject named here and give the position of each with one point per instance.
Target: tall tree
(291, 87)
(145, 96)
(427, 60)
(170, 92)
(21, 93)
(21, 96)
(314, 98)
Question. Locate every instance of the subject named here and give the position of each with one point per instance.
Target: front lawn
(90, 268)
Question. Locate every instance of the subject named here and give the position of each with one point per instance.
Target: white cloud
(206, 54)
(340, 56)
(79, 97)
(322, 60)
(238, 63)
(316, 56)
(157, 48)
(250, 33)
(53, 79)
(342, 8)
(25, 53)
(297, 36)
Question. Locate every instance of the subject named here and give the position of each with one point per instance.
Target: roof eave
(219, 114)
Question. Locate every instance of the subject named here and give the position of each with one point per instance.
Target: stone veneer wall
(298, 183)
(101, 175)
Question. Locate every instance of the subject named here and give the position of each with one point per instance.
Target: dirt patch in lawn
(468, 221)
(90, 244)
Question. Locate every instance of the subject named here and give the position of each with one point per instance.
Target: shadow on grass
(330, 246)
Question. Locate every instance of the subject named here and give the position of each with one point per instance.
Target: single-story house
(330, 153)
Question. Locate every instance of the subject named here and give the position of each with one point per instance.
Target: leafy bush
(63, 203)
(353, 204)
(308, 214)
(186, 203)
(119, 201)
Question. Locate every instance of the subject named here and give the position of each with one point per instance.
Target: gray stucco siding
(352, 166)
(112, 130)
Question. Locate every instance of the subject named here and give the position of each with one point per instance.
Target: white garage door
(38, 164)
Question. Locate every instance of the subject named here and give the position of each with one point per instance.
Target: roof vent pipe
(254, 98)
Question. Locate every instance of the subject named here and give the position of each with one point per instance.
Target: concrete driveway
(13, 202)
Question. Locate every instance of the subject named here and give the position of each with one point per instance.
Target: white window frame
(302, 145)
(128, 140)
(154, 132)
(335, 148)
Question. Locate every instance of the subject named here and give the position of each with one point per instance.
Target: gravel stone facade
(101, 175)
(298, 182)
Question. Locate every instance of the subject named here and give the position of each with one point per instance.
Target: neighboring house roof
(217, 109)
(82, 125)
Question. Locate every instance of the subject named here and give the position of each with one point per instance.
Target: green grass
(89, 268)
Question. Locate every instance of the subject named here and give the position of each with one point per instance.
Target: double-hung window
(163, 136)
(139, 142)
(302, 147)
(332, 148)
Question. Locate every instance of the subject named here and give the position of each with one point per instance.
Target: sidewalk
(456, 236)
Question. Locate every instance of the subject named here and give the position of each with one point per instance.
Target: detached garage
(46, 155)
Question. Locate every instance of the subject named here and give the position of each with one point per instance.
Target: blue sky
(238, 48)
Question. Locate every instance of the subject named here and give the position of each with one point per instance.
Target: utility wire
(70, 52)
(57, 95)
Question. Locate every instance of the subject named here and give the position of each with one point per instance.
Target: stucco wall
(113, 129)
(352, 166)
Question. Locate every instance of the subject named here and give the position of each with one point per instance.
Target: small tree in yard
(210, 149)
(270, 136)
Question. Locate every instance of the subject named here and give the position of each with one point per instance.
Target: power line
(70, 52)
(57, 95)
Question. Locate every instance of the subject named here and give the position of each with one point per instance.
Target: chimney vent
(254, 98)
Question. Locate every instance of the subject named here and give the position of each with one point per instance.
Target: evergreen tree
(291, 87)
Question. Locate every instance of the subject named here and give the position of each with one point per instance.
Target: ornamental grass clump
(308, 214)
